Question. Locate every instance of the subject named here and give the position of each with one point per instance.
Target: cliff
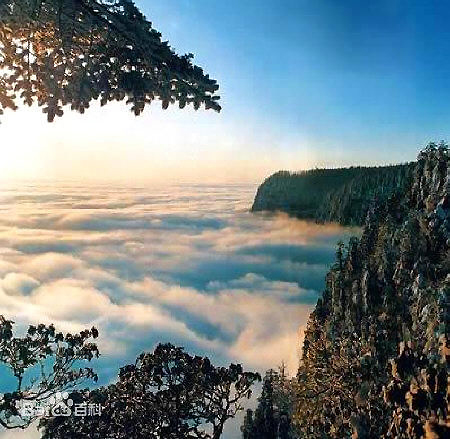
(343, 195)
(376, 354)
(376, 351)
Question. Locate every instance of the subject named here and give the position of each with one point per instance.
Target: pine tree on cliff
(248, 426)
(264, 421)
(272, 418)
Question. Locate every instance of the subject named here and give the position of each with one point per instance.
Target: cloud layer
(185, 264)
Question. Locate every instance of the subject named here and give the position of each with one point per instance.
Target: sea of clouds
(187, 264)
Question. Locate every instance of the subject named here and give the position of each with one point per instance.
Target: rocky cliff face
(376, 351)
(341, 195)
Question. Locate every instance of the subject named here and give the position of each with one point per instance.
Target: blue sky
(355, 73)
(303, 84)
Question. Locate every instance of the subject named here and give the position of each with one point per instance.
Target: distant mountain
(343, 195)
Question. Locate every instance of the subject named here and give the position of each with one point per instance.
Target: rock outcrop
(376, 350)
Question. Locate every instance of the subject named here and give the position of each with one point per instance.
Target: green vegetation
(342, 195)
(42, 362)
(70, 52)
(272, 417)
(165, 394)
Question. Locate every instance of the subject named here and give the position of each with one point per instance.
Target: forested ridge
(376, 352)
(342, 194)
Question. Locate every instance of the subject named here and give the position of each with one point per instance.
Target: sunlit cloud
(186, 264)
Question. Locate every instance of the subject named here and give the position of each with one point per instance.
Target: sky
(303, 84)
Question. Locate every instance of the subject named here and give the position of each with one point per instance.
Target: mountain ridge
(341, 195)
(376, 352)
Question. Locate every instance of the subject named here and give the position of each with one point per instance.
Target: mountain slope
(342, 195)
(376, 355)
(376, 351)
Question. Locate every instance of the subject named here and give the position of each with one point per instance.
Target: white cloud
(51, 265)
(146, 264)
(71, 299)
(18, 283)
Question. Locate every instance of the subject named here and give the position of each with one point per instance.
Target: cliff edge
(376, 350)
(342, 195)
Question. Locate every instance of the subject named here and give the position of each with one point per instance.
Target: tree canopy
(165, 394)
(341, 195)
(272, 418)
(70, 52)
(42, 362)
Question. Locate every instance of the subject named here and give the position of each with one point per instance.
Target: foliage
(165, 394)
(42, 362)
(342, 195)
(69, 52)
(272, 417)
(334, 390)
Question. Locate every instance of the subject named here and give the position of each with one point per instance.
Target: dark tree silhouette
(43, 362)
(264, 414)
(248, 427)
(165, 394)
(272, 417)
(60, 52)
